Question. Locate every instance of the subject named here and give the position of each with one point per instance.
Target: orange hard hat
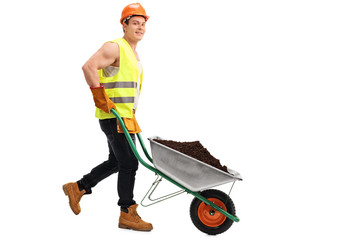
(133, 9)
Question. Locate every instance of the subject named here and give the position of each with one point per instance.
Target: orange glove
(101, 99)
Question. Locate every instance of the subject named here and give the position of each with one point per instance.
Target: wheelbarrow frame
(153, 169)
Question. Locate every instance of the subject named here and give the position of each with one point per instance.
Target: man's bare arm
(107, 55)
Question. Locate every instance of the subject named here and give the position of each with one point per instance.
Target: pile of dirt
(194, 149)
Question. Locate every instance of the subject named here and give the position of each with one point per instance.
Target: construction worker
(114, 74)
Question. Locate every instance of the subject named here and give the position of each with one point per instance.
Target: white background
(271, 88)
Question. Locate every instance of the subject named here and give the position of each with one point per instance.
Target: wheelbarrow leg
(159, 199)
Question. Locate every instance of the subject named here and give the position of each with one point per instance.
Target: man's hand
(101, 99)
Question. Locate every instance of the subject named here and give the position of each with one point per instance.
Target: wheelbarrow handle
(132, 145)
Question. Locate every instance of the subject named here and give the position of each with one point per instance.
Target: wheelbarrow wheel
(207, 219)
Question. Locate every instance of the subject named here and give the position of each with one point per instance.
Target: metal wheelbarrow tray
(189, 172)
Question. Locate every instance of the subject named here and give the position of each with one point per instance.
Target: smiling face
(135, 29)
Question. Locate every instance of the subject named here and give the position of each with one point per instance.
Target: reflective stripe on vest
(122, 99)
(122, 88)
(120, 85)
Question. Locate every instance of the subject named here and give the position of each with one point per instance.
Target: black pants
(121, 160)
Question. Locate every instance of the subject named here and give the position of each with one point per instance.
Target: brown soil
(194, 149)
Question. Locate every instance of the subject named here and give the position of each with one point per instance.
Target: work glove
(101, 99)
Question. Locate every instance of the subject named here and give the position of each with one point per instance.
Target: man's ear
(124, 27)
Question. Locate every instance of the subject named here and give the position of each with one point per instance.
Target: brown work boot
(131, 220)
(74, 194)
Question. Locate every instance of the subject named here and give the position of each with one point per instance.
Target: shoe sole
(135, 229)
(67, 194)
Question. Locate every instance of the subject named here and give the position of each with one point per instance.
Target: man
(114, 74)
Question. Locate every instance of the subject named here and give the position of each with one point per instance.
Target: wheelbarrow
(212, 211)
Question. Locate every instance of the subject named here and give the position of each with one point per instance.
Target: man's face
(136, 28)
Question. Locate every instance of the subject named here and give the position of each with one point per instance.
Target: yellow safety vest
(122, 88)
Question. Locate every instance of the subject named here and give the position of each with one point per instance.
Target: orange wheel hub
(209, 216)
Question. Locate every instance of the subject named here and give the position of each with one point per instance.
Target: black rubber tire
(212, 193)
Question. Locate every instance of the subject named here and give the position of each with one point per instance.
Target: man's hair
(126, 21)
